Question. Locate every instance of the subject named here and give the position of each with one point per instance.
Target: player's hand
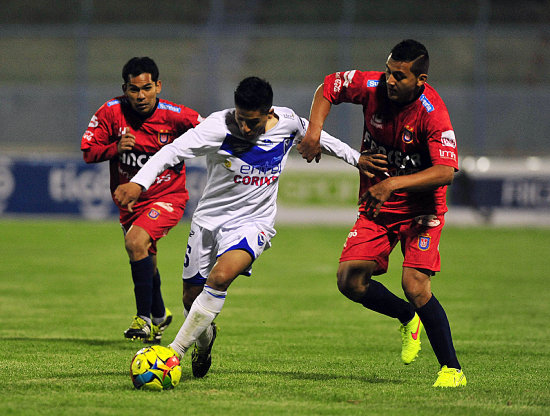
(310, 146)
(127, 194)
(375, 197)
(127, 141)
(372, 164)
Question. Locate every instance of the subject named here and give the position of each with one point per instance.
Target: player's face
(401, 84)
(252, 123)
(141, 92)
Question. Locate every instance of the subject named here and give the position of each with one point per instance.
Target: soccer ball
(155, 368)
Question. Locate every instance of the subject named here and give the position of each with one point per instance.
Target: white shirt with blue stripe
(242, 175)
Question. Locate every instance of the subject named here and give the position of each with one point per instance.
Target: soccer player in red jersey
(409, 150)
(127, 131)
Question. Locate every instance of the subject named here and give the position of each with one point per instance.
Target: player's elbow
(87, 157)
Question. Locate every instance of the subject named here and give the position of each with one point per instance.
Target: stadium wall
(486, 191)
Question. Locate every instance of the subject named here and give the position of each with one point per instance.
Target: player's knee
(220, 279)
(136, 246)
(417, 288)
(347, 285)
(353, 279)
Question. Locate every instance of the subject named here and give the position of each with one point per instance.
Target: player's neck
(271, 122)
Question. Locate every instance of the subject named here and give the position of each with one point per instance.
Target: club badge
(153, 214)
(164, 136)
(261, 238)
(424, 242)
(407, 135)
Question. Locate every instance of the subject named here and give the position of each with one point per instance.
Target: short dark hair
(137, 66)
(254, 93)
(410, 50)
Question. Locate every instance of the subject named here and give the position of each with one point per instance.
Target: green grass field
(289, 343)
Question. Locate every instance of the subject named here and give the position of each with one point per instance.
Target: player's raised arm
(310, 146)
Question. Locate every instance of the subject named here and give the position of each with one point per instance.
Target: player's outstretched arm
(127, 194)
(310, 146)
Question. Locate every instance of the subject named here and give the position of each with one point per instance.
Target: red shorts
(157, 217)
(375, 240)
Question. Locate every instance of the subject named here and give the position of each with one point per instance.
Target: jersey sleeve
(189, 119)
(441, 139)
(205, 138)
(346, 87)
(96, 145)
(332, 146)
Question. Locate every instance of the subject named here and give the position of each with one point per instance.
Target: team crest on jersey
(261, 238)
(407, 135)
(164, 136)
(424, 241)
(153, 214)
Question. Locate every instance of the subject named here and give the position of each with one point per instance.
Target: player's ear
(124, 87)
(158, 84)
(422, 78)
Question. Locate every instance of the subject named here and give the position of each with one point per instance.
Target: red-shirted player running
(409, 150)
(127, 131)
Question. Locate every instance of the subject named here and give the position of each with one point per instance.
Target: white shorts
(205, 246)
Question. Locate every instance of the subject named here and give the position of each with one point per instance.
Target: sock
(203, 311)
(158, 321)
(203, 340)
(142, 275)
(438, 330)
(157, 306)
(379, 299)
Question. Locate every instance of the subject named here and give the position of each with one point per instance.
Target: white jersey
(242, 175)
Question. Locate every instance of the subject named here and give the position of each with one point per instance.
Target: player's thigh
(369, 241)
(157, 219)
(253, 239)
(228, 266)
(420, 242)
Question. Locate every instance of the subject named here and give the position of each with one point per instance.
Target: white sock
(205, 308)
(203, 340)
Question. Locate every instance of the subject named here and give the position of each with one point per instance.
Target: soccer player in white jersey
(246, 150)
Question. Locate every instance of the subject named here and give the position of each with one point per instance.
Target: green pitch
(289, 343)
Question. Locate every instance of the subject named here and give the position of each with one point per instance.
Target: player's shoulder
(369, 79)
(170, 107)
(113, 103)
(168, 110)
(288, 117)
(111, 108)
(432, 103)
(285, 113)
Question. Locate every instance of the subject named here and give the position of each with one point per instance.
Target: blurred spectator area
(60, 60)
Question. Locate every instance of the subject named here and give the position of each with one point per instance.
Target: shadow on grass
(372, 379)
(80, 341)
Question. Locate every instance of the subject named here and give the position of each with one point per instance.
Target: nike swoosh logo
(415, 334)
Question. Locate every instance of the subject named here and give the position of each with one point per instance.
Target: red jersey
(414, 136)
(167, 122)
